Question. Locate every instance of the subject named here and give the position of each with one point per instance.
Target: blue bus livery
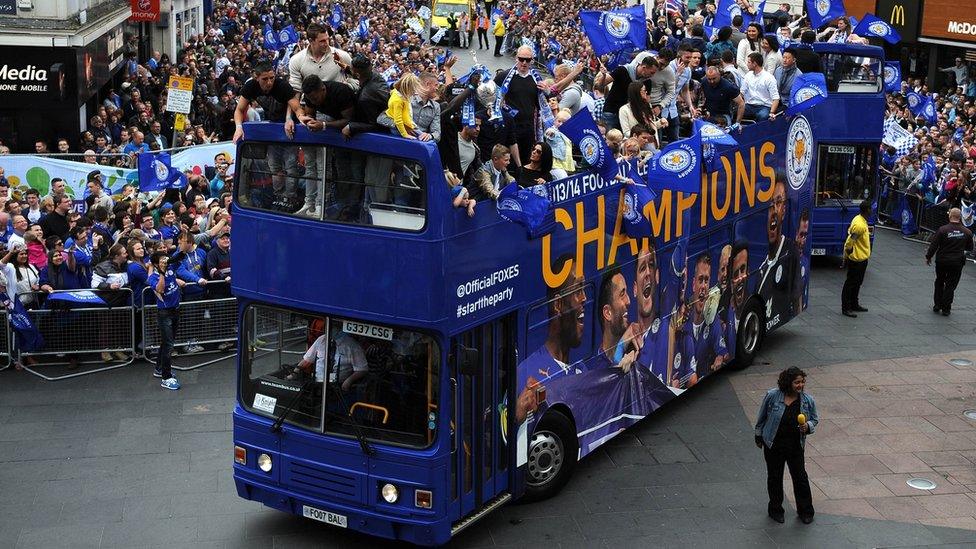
(404, 368)
(849, 140)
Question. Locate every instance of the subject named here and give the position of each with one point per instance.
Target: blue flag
(710, 32)
(247, 34)
(892, 76)
(336, 19)
(958, 134)
(808, 90)
(611, 31)
(726, 10)
(757, 18)
(554, 45)
(677, 166)
(928, 174)
(822, 12)
(621, 57)
(872, 26)
(714, 140)
(915, 101)
(287, 36)
(908, 225)
(529, 207)
(85, 297)
(362, 31)
(635, 196)
(156, 174)
(928, 110)
(28, 336)
(581, 129)
(270, 39)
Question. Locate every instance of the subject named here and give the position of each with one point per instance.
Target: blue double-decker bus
(849, 131)
(404, 368)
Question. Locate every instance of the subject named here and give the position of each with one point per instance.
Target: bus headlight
(390, 493)
(264, 463)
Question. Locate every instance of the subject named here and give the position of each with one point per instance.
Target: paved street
(111, 460)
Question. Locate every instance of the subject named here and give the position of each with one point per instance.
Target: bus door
(482, 372)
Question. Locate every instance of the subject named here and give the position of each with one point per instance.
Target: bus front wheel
(749, 337)
(552, 455)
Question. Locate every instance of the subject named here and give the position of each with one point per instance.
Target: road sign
(180, 94)
(180, 123)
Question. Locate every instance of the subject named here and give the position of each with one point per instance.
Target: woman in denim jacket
(782, 437)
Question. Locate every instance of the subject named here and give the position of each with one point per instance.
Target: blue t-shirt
(138, 277)
(132, 147)
(170, 232)
(171, 294)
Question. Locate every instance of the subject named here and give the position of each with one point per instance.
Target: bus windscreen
(853, 74)
(845, 174)
(363, 378)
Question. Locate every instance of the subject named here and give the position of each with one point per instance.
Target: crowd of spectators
(49, 247)
(490, 129)
(948, 146)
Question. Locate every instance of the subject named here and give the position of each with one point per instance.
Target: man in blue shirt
(136, 146)
(166, 285)
(720, 95)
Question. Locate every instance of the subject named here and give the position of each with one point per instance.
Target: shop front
(49, 93)
(949, 29)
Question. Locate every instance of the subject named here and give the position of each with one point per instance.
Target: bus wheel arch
(552, 454)
(750, 333)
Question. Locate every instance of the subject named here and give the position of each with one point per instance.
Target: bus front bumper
(340, 515)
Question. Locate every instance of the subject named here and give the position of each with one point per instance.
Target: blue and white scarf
(544, 111)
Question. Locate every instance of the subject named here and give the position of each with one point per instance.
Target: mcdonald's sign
(903, 15)
(949, 19)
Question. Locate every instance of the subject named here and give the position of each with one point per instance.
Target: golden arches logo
(897, 15)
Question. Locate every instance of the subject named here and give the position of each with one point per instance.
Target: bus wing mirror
(468, 360)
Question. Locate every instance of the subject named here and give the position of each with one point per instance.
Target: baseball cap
(223, 234)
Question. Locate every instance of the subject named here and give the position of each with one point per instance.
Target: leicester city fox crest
(618, 25)
(890, 75)
(879, 28)
(590, 148)
(799, 152)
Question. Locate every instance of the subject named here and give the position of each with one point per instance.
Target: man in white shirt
(759, 90)
(329, 64)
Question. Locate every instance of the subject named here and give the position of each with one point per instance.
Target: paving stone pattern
(112, 460)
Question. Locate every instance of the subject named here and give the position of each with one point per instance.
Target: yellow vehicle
(443, 8)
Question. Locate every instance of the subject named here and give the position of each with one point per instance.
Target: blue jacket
(191, 269)
(771, 412)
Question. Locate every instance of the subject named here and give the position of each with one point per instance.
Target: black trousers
(498, 45)
(946, 279)
(776, 457)
(852, 285)
(483, 35)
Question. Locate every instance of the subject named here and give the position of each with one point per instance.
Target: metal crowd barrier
(928, 216)
(210, 323)
(83, 330)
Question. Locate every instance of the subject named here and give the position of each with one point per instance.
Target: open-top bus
(849, 131)
(459, 363)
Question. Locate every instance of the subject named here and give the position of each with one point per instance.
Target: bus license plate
(818, 251)
(368, 330)
(324, 516)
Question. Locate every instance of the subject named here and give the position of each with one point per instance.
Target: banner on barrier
(25, 171)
